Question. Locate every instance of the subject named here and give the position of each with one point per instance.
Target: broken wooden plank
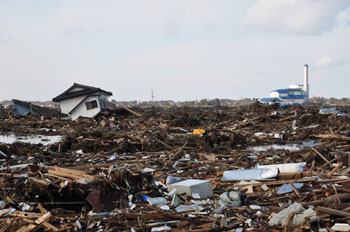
(332, 211)
(42, 209)
(6, 211)
(280, 182)
(70, 173)
(37, 222)
(330, 136)
(334, 198)
(161, 142)
(335, 169)
(131, 111)
(38, 182)
(293, 175)
(318, 153)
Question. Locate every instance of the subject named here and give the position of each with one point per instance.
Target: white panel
(81, 110)
(68, 104)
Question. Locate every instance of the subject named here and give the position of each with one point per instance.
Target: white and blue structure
(295, 94)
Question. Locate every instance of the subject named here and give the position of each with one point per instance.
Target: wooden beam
(335, 169)
(70, 173)
(280, 182)
(318, 153)
(131, 111)
(333, 211)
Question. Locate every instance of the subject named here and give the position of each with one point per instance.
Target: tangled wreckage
(252, 168)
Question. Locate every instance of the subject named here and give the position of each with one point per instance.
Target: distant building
(295, 94)
(26, 108)
(83, 101)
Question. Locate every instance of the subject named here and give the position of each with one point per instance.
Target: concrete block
(201, 187)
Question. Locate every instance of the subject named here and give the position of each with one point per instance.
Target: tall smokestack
(306, 82)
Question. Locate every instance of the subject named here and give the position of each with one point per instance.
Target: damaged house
(24, 108)
(83, 101)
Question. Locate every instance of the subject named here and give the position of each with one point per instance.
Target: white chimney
(306, 82)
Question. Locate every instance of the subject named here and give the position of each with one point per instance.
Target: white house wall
(81, 110)
(67, 105)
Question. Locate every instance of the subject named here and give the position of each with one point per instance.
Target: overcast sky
(182, 49)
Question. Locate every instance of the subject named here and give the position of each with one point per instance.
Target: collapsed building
(83, 101)
(24, 108)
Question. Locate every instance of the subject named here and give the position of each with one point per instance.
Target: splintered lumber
(318, 153)
(333, 211)
(336, 194)
(117, 145)
(37, 222)
(295, 190)
(332, 136)
(49, 226)
(153, 215)
(131, 111)
(161, 142)
(21, 214)
(5, 212)
(335, 169)
(178, 152)
(280, 182)
(38, 182)
(42, 209)
(293, 175)
(5, 227)
(337, 180)
(340, 128)
(45, 224)
(346, 171)
(197, 228)
(344, 197)
(70, 173)
(14, 175)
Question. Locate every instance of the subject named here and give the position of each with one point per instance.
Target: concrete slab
(193, 186)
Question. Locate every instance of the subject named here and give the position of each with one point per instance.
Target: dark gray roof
(85, 90)
(287, 90)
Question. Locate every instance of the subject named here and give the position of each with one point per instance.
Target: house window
(91, 105)
(102, 103)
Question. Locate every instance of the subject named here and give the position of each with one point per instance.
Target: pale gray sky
(182, 49)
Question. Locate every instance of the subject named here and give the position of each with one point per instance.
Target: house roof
(40, 110)
(280, 90)
(270, 99)
(85, 90)
(287, 90)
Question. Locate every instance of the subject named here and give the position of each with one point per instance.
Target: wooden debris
(103, 172)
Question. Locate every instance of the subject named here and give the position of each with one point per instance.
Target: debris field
(249, 168)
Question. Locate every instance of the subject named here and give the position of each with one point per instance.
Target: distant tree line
(331, 100)
(201, 102)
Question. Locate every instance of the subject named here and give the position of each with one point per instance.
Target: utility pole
(152, 95)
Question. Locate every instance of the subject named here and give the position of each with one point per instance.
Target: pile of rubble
(247, 168)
